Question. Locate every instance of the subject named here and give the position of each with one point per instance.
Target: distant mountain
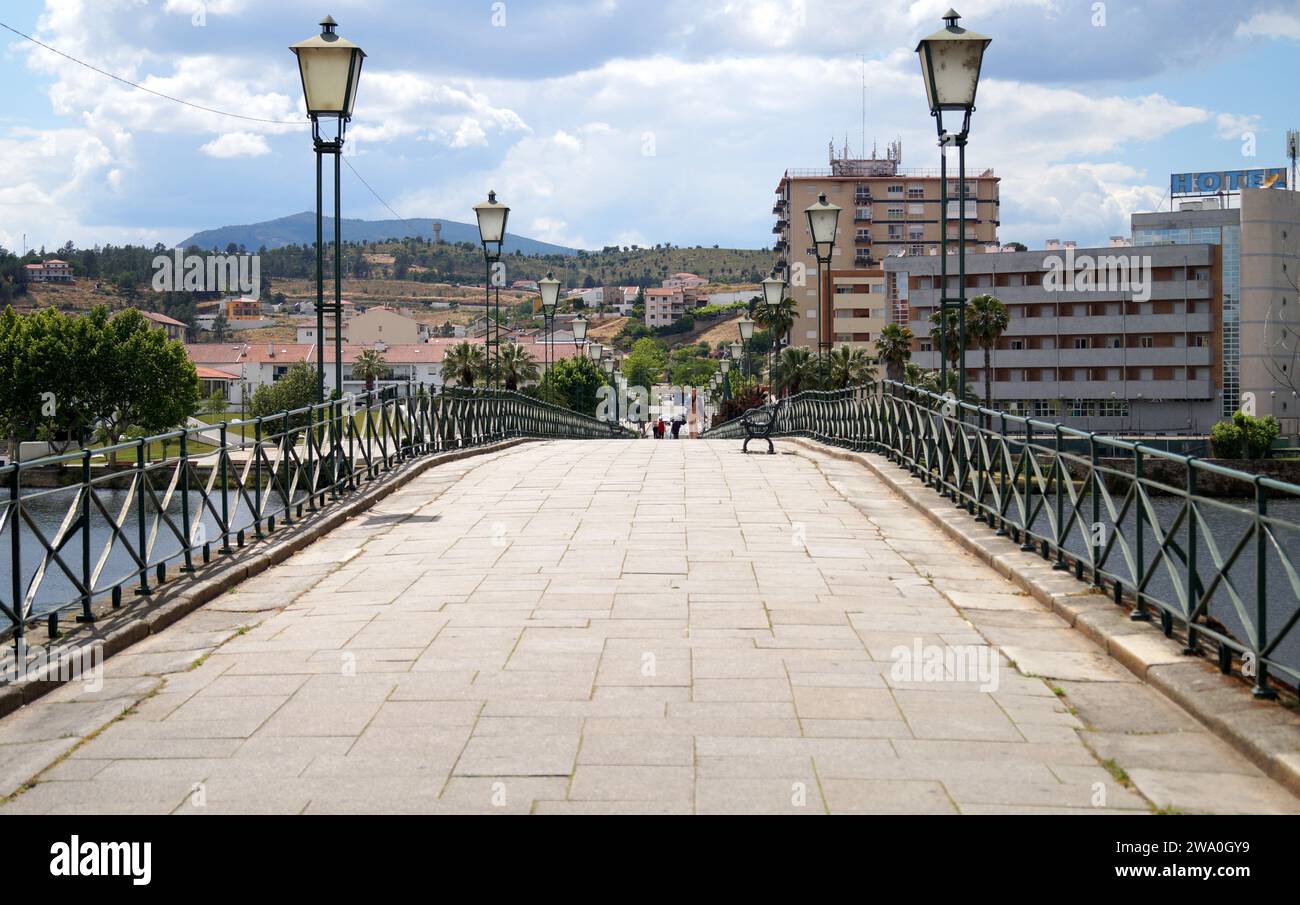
(300, 229)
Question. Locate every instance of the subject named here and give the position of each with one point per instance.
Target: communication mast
(1293, 151)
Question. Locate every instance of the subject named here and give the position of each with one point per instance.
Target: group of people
(693, 418)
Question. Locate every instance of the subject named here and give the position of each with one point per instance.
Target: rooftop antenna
(864, 106)
(1293, 151)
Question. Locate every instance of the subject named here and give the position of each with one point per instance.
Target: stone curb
(182, 595)
(1264, 732)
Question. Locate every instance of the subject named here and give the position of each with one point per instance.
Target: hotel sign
(1226, 181)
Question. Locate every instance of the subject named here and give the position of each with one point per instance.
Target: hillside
(300, 229)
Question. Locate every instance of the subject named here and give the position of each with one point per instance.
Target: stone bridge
(615, 626)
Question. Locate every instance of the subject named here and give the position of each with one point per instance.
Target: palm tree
(949, 332)
(851, 367)
(463, 364)
(370, 366)
(986, 321)
(894, 348)
(796, 370)
(779, 321)
(517, 366)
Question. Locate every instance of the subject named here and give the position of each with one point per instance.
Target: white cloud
(237, 144)
(1271, 24)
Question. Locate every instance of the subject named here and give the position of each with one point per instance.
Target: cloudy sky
(611, 121)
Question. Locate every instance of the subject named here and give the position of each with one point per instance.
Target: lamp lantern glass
(773, 291)
(746, 329)
(550, 289)
(950, 63)
(580, 329)
(823, 219)
(330, 67)
(492, 216)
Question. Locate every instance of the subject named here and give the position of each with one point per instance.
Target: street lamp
(550, 289)
(492, 217)
(823, 220)
(608, 364)
(773, 295)
(579, 326)
(746, 334)
(950, 63)
(330, 67)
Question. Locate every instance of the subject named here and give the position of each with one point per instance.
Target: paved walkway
(627, 626)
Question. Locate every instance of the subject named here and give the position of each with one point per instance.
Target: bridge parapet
(1222, 569)
(74, 528)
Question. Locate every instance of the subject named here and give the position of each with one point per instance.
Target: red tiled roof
(161, 318)
(206, 373)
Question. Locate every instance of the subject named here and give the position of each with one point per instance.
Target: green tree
(945, 333)
(296, 389)
(694, 372)
(777, 320)
(573, 383)
(370, 366)
(894, 348)
(143, 380)
(796, 370)
(463, 364)
(518, 366)
(644, 366)
(986, 321)
(850, 367)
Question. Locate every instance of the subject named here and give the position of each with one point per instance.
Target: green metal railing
(1137, 522)
(81, 530)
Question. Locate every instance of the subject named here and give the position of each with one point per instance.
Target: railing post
(1193, 578)
(223, 463)
(1004, 457)
(309, 438)
(1261, 689)
(87, 489)
(1139, 613)
(15, 553)
(141, 476)
(1061, 476)
(257, 478)
(184, 466)
(1095, 487)
(1027, 460)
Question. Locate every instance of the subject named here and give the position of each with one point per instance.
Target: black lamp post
(726, 379)
(550, 289)
(610, 365)
(330, 67)
(492, 217)
(950, 62)
(823, 220)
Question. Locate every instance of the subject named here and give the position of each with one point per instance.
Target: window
(1083, 342)
(895, 212)
(1017, 345)
(895, 190)
(1198, 342)
(916, 210)
(915, 191)
(1146, 342)
(917, 250)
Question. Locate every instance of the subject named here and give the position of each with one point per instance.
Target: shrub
(1244, 437)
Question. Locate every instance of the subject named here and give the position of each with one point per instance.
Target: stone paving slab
(624, 627)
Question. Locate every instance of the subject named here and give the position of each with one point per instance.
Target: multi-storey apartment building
(1260, 240)
(664, 307)
(1142, 355)
(887, 211)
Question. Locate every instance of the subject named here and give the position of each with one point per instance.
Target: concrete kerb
(1265, 732)
(182, 595)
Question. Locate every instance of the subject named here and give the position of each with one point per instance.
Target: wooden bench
(759, 424)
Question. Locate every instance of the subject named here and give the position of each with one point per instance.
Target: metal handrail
(126, 526)
(1098, 506)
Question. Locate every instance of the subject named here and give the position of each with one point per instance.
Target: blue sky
(608, 121)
